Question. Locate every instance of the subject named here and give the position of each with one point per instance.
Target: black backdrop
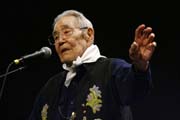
(23, 31)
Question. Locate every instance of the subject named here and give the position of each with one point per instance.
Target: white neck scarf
(91, 54)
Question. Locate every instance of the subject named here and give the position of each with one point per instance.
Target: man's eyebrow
(62, 28)
(65, 26)
(54, 32)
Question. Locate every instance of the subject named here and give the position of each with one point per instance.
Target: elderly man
(92, 86)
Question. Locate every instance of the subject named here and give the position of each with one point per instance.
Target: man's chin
(67, 61)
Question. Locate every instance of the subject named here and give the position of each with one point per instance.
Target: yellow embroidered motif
(44, 112)
(94, 99)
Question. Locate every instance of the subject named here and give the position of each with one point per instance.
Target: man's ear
(90, 35)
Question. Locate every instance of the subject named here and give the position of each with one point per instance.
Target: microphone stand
(13, 71)
(5, 76)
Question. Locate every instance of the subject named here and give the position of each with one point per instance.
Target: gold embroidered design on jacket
(44, 112)
(94, 99)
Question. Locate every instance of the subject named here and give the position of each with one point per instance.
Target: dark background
(26, 24)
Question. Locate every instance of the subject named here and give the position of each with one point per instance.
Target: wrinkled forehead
(66, 22)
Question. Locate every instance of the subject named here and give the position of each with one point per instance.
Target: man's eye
(67, 32)
(56, 37)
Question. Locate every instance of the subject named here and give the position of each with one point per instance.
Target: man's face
(69, 41)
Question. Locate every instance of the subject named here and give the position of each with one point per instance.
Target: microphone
(44, 52)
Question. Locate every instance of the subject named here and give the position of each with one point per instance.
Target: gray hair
(81, 19)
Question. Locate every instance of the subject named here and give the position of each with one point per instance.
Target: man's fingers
(154, 44)
(150, 51)
(139, 30)
(149, 39)
(133, 50)
(134, 47)
(146, 32)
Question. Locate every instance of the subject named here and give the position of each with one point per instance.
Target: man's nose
(61, 39)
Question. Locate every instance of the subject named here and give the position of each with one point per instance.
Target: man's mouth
(64, 50)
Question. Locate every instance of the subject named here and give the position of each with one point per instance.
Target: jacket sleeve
(131, 85)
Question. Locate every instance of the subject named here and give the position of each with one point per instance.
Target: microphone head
(46, 51)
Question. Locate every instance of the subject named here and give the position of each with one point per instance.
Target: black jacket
(103, 90)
